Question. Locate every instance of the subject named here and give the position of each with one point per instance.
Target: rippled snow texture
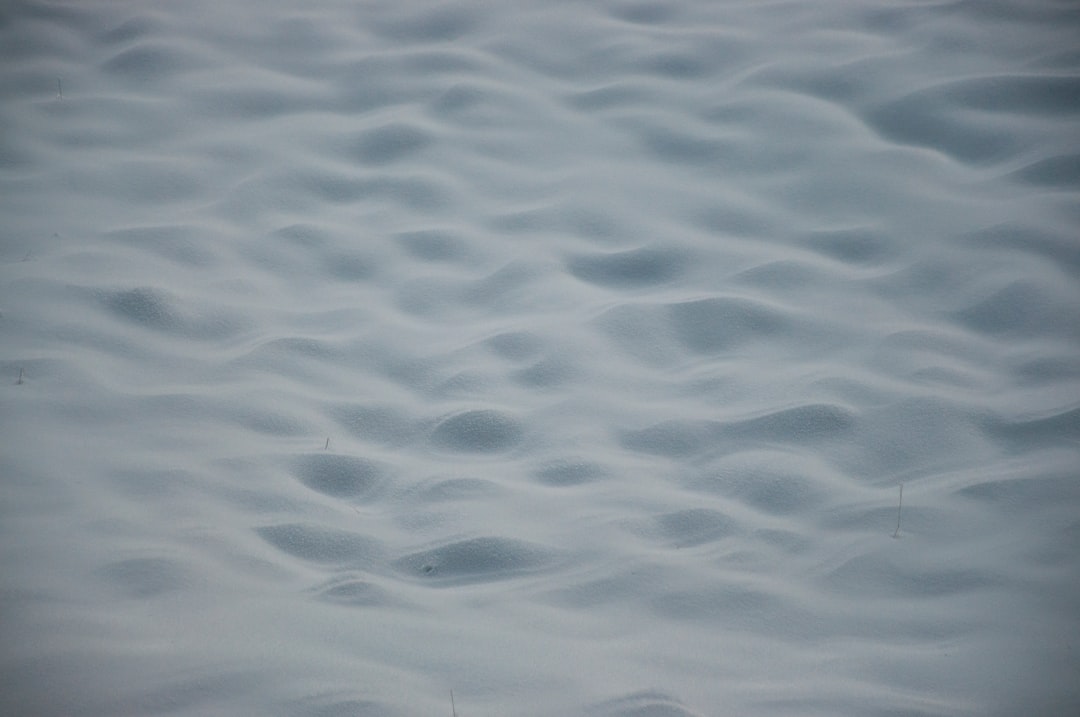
(568, 356)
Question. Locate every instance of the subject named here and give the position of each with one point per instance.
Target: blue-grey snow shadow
(331, 706)
(324, 546)
(476, 560)
(478, 431)
(647, 703)
(351, 591)
(800, 424)
(160, 311)
(339, 476)
(628, 269)
(693, 526)
(142, 578)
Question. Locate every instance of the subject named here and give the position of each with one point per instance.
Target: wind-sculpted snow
(573, 357)
(482, 431)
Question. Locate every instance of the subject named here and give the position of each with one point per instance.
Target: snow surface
(570, 356)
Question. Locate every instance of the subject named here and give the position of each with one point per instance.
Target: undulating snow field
(570, 356)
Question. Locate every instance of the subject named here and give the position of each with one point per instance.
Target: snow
(567, 356)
